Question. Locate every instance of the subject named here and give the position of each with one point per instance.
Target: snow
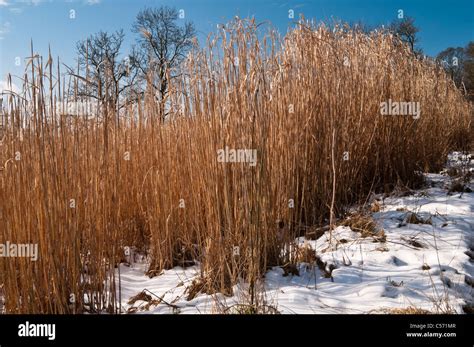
(426, 266)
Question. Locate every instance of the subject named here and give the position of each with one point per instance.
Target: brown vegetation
(86, 189)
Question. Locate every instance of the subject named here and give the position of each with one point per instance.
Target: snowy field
(423, 260)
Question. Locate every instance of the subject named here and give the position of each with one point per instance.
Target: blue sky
(47, 22)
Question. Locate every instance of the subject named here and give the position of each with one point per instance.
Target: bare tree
(452, 59)
(469, 69)
(458, 62)
(162, 44)
(104, 76)
(406, 30)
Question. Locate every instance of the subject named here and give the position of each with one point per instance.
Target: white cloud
(93, 2)
(4, 29)
(5, 91)
(31, 2)
(5, 87)
(4, 3)
(15, 10)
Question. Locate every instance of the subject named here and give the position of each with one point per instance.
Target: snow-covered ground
(425, 266)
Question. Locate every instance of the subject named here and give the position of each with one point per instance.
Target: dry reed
(83, 189)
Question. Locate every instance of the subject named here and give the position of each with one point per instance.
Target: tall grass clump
(308, 104)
